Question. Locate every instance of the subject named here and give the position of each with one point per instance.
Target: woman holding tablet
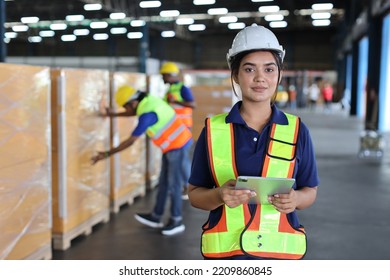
(254, 139)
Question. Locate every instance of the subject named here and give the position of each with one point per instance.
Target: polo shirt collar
(234, 116)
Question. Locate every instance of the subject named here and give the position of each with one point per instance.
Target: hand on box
(99, 156)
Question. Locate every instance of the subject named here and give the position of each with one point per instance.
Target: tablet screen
(264, 187)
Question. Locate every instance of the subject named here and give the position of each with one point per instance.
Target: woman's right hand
(233, 197)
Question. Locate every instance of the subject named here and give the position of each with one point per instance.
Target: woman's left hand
(284, 203)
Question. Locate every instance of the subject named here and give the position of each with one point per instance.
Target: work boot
(173, 227)
(148, 220)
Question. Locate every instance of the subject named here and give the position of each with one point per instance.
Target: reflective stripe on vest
(267, 234)
(183, 112)
(173, 137)
(169, 132)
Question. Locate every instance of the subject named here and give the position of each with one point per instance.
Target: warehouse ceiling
(295, 15)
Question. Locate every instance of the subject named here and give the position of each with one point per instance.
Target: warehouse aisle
(350, 219)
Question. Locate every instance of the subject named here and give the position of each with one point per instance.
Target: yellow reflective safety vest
(183, 112)
(266, 233)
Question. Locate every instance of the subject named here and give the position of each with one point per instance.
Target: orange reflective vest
(183, 112)
(266, 233)
(169, 133)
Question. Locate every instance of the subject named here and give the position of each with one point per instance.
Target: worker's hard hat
(254, 37)
(169, 68)
(125, 94)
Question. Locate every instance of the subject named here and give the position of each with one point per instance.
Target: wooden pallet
(62, 241)
(152, 183)
(128, 198)
(43, 253)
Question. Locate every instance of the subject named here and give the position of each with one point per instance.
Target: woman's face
(258, 76)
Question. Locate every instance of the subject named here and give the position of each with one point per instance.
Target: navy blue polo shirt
(186, 94)
(250, 149)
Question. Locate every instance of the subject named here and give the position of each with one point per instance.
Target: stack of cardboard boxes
(51, 125)
(25, 162)
(80, 191)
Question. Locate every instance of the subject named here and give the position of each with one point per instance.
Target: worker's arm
(210, 199)
(187, 97)
(111, 113)
(190, 104)
(125, 144)
(296, 199)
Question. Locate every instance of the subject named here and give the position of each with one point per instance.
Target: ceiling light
(204, 2)
(228, 19)
(34, 39)
(269, 9)
(149, 4)
(118, 30)
(135, 35)
(323, 15)
(236, 25)
(321, 22)
(274, 17)
(137, 23)
(217, 11)
(98, 24)
(185, 21)
(278, 24)
(168, 34)
(10, 35)
(93, 7)
(46, 33)
(68, 38)
(322, 6)
(29, 20)
(197, 27)
(81, 32)
(117, 15)
(169, 13)
(58, 26)
(74, 17)
(20, 28)
(262, 1)
(100, 36)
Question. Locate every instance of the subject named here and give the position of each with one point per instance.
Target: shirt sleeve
(200, 171)
(307, 173)
(186, 94)
(144, 121)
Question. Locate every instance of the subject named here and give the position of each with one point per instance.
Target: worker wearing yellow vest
(160, 122)
(254, 139)
(182, 101)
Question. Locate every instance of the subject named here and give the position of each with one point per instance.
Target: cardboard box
(210, 100)
(128, 168)
(80, 190)
(25, 163)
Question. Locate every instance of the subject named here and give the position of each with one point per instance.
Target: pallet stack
(25, 163)
(80, 191)
(128, 178)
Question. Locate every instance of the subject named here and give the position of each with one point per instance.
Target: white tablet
(264, 187)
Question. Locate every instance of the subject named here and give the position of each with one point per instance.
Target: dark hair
(235, 66)
(141, 95)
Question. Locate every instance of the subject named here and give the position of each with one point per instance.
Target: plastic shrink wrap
(128, 167)
(80, 191)
(156, 87)
(25, 162)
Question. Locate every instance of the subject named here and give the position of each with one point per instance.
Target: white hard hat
(254, 37)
